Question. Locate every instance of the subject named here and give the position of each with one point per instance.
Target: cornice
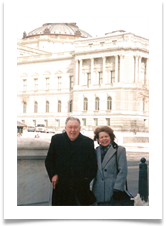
(71, 92)
(47, 57)
(111, 36)
(32, 50)
(111, 49)
(22, 95)
(41, 60)
(103, 89)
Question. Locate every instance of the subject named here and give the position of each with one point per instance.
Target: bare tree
(144, 92)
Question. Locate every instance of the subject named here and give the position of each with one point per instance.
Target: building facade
(63, 71)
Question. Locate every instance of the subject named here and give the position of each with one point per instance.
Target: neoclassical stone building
(64, 71)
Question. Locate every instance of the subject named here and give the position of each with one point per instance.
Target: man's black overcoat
(75, 164)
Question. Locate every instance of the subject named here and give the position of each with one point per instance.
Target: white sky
(92, 16)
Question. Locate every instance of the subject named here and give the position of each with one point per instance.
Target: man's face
(72, 129)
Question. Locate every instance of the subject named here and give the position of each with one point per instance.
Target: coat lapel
(98, 153)
(111, 151)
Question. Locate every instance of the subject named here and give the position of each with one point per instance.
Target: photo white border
(11, 210)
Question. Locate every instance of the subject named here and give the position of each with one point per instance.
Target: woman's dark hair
(106, 129)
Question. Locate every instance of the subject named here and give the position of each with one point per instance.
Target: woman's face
(104, 139)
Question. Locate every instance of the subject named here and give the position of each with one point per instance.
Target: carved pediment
(46, 73)
(24, 75)
(35, 74)
(58, 72)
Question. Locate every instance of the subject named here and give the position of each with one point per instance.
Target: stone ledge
(32, 143)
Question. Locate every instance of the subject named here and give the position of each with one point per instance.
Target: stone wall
(33, 185)
(135, 140)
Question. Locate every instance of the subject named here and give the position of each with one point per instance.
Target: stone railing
(33, 185)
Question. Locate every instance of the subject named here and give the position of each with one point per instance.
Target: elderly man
(71, 165)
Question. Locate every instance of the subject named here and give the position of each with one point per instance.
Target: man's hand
(54, 181)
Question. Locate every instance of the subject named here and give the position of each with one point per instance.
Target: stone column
(139, 68)
(80, 72)
(136, 69)
(76, 73)
(147, 72)
(121, 69)
(104, 77)
(116, 68)
(92, 65)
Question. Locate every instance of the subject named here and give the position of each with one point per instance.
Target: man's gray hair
(70, 118)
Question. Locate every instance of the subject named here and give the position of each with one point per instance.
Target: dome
(70, 29)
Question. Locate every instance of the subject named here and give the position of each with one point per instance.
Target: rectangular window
(59, 106)
(102, 43)
(71, 106)
(57, 122)
(47, 83)
(36, 84)
(47, 106)
(24, 84)
(112, 76)
(59, 82)
(46, 122)
(84, 121)
(88, 79)
(35, 107)
(71, 82)
(114, 42)
(34, 123)
(95, 121)
(100, 78)
(108, 121)
(24, 107)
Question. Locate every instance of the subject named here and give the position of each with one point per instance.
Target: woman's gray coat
(107, 177)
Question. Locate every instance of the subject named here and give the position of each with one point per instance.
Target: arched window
(85, 104)
(24, 107)
(59, 106)
(47, 106)
(97, 103)
(35, 107)
(109, 103)
(71, 106)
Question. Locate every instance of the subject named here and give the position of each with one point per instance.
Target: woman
(112, 166)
